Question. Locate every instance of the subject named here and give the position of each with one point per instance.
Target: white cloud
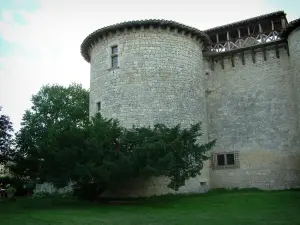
(50, 41)
(8, 16)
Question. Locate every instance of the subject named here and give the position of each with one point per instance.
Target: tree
(58, 143)
(55, 110)
(113, 155)
(6, 140)
(172, 152)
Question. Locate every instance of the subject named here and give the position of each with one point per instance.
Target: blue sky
(291, 7)
(6, 47)
(28, 5)
(16, 7)
(40, 39)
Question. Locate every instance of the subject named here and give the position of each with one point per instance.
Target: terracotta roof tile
(290, 27)
(90, 39)
(242, 22)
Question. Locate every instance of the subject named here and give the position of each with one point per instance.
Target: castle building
(241, 80)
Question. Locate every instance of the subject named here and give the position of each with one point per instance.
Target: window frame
(215, 164)
(223, 160)
(98, 106)
(114, 55)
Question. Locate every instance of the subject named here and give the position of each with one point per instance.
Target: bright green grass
(234, 208)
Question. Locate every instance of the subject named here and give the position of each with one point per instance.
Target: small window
(221, 160)
(114, 50)
(98, 106)
(230, 159)
(225, 160)
(114, 56)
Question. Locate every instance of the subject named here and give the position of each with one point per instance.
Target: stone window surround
(114, 55)
(109, 48)
(215, 165)
(98, 105)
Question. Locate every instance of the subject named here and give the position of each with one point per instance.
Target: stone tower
(147, 72)
(241, 80)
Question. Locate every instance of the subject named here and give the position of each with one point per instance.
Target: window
(221, 160)
(114, 56)
(225, 160)
(98, 106)
(230, 159)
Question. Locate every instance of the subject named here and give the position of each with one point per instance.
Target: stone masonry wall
(159, 80)
(252, 110)
(294, 47)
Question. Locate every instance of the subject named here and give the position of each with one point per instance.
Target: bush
(44, 194)
(101, 155)
(23, 187)
(41, 194)
(67, 194)
(113, 155)
(88, 191)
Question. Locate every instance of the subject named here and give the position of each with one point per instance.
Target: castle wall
(159, 80)
(294, 48)
(252, 110)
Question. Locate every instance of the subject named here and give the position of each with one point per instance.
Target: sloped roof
(246, 21)
(290, 27)
(93, 37)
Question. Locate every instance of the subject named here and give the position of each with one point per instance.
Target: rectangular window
(230, 159)
(114, 56)
(98, 106)
(221, 160)
(114, 50)
(225, 160)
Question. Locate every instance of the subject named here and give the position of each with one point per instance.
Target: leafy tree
(172, 152)
(55, 110)
(6, 140)
(113, 155)
(58, 143)
(99, 159)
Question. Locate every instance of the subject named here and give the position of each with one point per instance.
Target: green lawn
(234, 208)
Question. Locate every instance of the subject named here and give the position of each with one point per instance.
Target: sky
(40, 39)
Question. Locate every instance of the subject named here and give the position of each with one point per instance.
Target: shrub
(23, 187)
(41, 194)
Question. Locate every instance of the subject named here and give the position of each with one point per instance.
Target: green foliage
(45, 194)
(10, 192)
(67, 194)
(162, 151)
(23, 186)
(58, 144)
(6, 140)
(100, 160)
(55, 113)
(113, 155)
(41, 194)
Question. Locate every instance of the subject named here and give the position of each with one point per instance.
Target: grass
(215, 208)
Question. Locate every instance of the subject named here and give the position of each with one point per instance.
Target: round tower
(148, 72)
(292, 32)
